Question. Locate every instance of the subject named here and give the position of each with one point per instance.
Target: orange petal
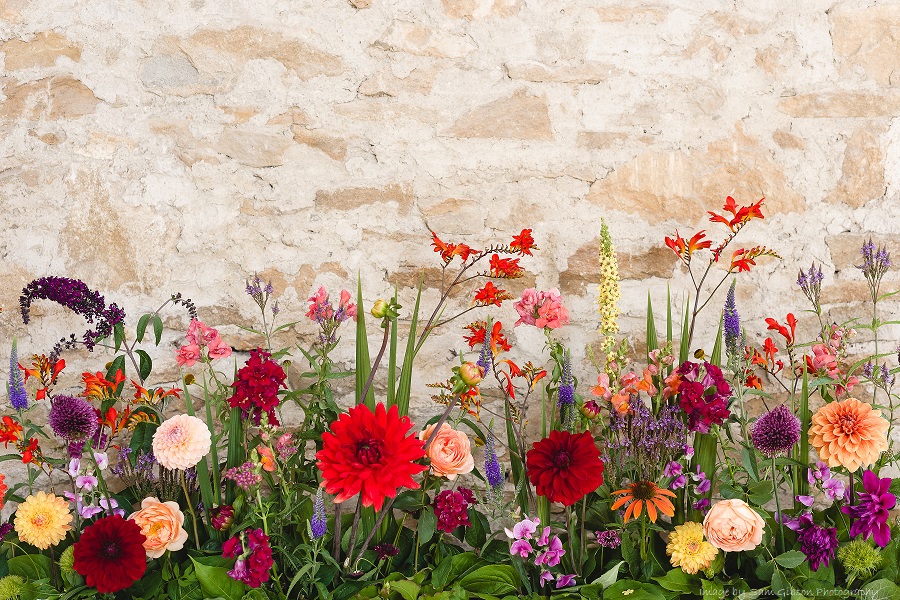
(638, 504)
(665, 506)
(629, 510)
(618, 503)
(665, 493)
(651, 512)
(622, 492)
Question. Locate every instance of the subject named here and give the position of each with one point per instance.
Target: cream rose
(450, 452)
(162, 523)
(732, 526)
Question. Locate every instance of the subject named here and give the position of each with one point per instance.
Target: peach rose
(163, 525)
(450, 452)
(732, 526)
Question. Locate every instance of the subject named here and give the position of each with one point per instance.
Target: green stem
(778, 533)
(187, 499)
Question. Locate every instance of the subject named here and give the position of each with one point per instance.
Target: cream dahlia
(849, 434)
(180, 442)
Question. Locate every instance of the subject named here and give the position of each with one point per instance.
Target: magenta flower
(521, 548)
(871, 513)
(545, 577)
(565, 580)
(552, 555)
(523, 530)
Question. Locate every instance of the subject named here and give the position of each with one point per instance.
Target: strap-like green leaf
(363, 364)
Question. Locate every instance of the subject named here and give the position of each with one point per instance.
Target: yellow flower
(608, 293)
(43, 520)
(688, 549)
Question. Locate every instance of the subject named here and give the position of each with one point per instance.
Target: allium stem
(778, 533)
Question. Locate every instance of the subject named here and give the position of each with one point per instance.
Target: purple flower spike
(871, 513)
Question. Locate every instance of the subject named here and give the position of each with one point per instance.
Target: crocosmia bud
(222, 517)
(471, 374)
(380, 309)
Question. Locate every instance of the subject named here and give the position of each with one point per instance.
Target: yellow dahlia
(689, 550)
(848, 434)
(43, 520)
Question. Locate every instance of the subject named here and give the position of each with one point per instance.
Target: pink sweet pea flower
(218, 349)
(521, 548)
(553, 554)
(523, 530)
(545, 577)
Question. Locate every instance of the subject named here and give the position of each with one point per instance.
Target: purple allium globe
(72, 418)
(775, 432)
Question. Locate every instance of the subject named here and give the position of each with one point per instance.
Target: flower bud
(590, 409)
(380, 309)
(222, 517)
(471, 374)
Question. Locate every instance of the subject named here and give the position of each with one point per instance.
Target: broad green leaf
(628, 589)
(880, 589)
(491, 579)
(610, 577)
(157, 328)
(142, 327)
(427, 526)
(30, 567)
(408, 590)
(142, 438)
(677, 580)
(790, 559)
(215, 582)
(145, 365)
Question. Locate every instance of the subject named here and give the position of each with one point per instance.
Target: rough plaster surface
(151, 147)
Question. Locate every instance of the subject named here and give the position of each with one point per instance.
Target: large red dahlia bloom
(110, 554)
(564, 467)
(369, 454)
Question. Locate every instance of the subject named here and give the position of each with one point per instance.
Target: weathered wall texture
(150, 147)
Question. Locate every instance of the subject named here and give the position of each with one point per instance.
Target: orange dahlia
(369, 454)
(849, 434)
(639, 493)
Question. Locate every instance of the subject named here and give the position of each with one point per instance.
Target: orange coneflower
(641, 492)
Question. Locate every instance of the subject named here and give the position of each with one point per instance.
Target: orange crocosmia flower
(448, 251)
(791, 320)
(684, 249)
(478, 329)
(505, 267)
(266, 458)
(97, 386)
(28, 451)
(753, 381)
(152, 397)
(644, 493)
(523, 243)
(740, 215)
(491, 294)
(743, 259)
(9, 431)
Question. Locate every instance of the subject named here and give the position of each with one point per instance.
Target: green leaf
(405, 387)
(145, 365)
(363, 364)
(677, 580)
(779, 584)
(476, 535)
(142, 327)
(118, 364)
(215, 582)
(711, 589)
(142, 438)
(790, 559)
(157, 328)
(609, 578)
(749, 461)
(628, 589)
(652, 340)
(119, 335)
(880, 589)
(392, 360)
(409, 590)
(491, 579)
(30, 567)
(463, 563)
(685, 347)
(716, 357)
(427, 525)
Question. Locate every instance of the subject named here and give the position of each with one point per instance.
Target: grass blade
(363, 364)
(403, 391)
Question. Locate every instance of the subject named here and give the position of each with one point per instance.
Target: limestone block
(416, 38)
(480, 9)
(350, 198)
(584, 72)
(520, 116)
(868, 39)
(42, 51)
(862, 173)
(840, 104)
(254, 148)
(54, 98)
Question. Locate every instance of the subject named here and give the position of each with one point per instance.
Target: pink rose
(450, 452)
(188, 355)
(732, 526)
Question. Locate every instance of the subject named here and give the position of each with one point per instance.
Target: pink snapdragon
(541, 309)
(200, 336)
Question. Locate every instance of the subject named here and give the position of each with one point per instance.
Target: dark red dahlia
(564, 467)
(256, 387)
(369, 454)
(254, 557)
(452, 508)
(110, 554)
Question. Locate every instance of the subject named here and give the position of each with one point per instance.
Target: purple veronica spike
(871, 512)
(318, 523)
(732, 323)
(492, 470)
(16, 388)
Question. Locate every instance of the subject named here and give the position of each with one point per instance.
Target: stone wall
(151, 147)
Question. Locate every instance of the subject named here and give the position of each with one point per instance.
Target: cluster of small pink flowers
(285, 447)
(821, 477)
(548, 552)
(254, 557)
(245, 476)
(200, 336)
(451, 508)
(541, 309)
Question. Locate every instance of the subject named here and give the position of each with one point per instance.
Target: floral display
(712, 455)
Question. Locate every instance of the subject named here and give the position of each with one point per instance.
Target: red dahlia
(564, 467)
(369, 454)
(110, 554)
